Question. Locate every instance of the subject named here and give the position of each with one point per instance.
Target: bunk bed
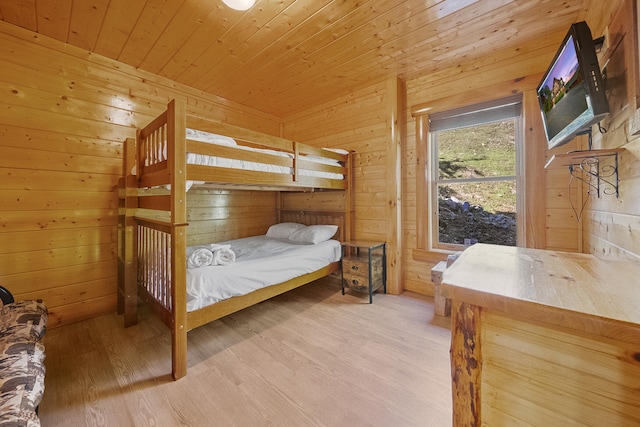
(169, 156)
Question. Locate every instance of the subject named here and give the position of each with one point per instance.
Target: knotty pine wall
(550, 220)
(611, 225)
(564, 204)
(362, 121)
(64, 114)
(217, 215)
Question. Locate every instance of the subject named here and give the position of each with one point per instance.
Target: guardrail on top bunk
(244, 157)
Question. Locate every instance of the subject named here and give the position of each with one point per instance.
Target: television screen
(571, 93)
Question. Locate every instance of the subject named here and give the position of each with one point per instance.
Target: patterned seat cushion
(23, 320)
(22, 354)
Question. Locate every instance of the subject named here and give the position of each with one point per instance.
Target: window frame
(434, 181)
(426, 185)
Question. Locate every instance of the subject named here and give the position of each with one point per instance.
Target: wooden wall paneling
(117, 24)
(199, 42)
(559, 198)
(443, 47)
(24, 158)
(154, 18)
(563, 200)
(61, 131)
(14, 40)
(309, 39)
(54, 239)
(33, 282)
(599, 15)
(206, 69)
(564, 239)
(611, 224)
(53, 18)
(86, 22)
(350, 66)
(360, 121)
(629, 164)
(143, 94)
(275, 34)
(562, 218)
(557, 361)
(20, 12)
(59, 219)
(20, 179)
(619, 58)
(22, 262)
(211, 214)
(324, 200)
(535, 180)
(615, 227)
(519, 63)
(393, 216)
(187, 17)
(37, 140)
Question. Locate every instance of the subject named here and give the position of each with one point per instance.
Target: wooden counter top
(513, 279)
(543, 337)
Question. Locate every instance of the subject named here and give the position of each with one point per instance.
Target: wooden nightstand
(364, 267)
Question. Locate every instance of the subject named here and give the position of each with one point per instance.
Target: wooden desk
(543, 338)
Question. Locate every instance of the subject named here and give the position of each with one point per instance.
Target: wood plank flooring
(310, 357)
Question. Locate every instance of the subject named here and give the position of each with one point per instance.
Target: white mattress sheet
(205, 160)
(260, 261)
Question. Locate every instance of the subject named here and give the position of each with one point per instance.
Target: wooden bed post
(279, 206)
(349, 204)
(176, 136)
(127, 262)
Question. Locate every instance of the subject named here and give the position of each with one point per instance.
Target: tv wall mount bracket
(596, 168)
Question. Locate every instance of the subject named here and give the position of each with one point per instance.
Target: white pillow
(283, 230)
(314, 234)
(337, 150)
(211, 138)
(322, 160)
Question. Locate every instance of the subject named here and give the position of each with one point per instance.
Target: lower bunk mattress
(260, 261)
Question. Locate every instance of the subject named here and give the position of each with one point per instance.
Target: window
(473, 178)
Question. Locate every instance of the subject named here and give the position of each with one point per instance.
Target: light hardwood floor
(310, 357)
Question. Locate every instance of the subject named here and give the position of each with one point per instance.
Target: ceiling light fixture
(239, 4)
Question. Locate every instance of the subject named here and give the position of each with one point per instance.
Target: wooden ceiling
(286, 55)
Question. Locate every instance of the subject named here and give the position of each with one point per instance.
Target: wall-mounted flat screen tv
(571, 94)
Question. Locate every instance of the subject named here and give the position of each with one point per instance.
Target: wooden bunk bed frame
(155, 222)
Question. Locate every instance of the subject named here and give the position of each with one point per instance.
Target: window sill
(430, 256)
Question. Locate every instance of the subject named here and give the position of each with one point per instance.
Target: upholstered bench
(22, 326)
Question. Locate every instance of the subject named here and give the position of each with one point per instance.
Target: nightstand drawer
(359, 266)
(360, 283)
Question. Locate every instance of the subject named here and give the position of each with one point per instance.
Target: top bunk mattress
(215, 139)
(260, 261)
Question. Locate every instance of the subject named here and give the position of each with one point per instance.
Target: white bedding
(201, 159)
(260, 261)
(211, 138)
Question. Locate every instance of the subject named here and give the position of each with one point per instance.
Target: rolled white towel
(199, 257)
(223, 256)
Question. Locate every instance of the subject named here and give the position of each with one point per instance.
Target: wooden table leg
(466, 364)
